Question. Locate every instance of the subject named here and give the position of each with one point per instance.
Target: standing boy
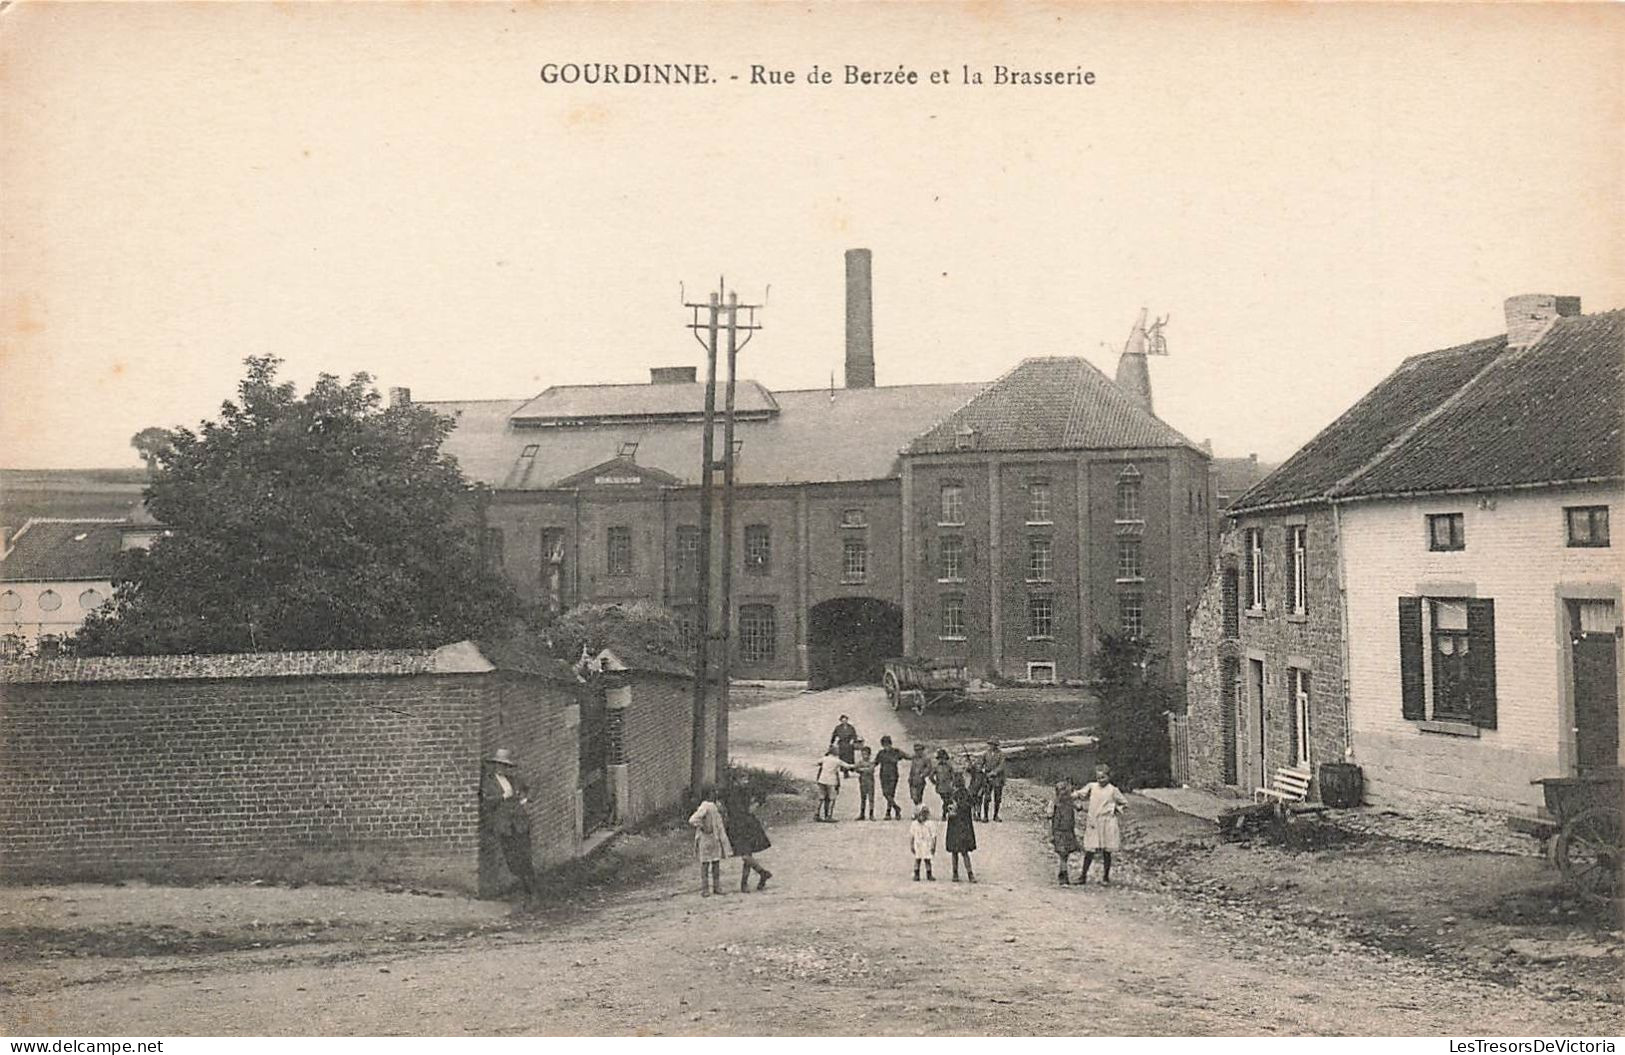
(919, 771)
(993, 766)
(503, 798)
(887, 761)
(864, 767)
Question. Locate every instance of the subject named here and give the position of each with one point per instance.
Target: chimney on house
(1530, 315)
(860, 320)
(400, 397)
(1133, 372)
(671, 375)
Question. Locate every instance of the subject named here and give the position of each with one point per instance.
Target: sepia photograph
(734, 519)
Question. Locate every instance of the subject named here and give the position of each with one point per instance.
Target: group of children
(1100, 802)
(977, 794)
(725, 826)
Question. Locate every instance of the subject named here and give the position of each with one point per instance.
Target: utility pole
(711, 325)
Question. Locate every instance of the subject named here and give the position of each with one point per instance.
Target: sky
(1310, 193)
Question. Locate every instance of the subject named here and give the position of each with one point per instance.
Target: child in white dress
(1101, 833)
(922, 838)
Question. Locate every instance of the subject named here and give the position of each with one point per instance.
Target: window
(1038, 560)
(953, 504)
(953, 618)
(1447, 659)
(493, 549)
(686, 560)
(1038, 509)
(1128, 495)
(854, 518)
(758, 548)
(953, 558)
(1446, 532)
(1588, 525)
(758, 633)
(855, 561)
(688, 626)
(1128, 560)
(1297, 687)
(618, 551)
(1231, 599)
(1131, 613)
(1041, 617)
(50, 601)
(10, 601)
(530, 450)
(90, 599)
(1255, 569)
(1041, 672)
(1297, 541)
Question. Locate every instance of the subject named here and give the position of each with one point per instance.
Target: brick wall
(538, 721)
(658, 722)
(1515, 555)
(238, 764)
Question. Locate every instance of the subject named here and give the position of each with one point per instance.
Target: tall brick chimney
(860, 321)
(1530, 315)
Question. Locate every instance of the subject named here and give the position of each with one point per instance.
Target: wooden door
(1594, 642)
(1257, 717)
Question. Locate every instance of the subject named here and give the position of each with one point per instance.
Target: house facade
(843, 551)
(1429, 584)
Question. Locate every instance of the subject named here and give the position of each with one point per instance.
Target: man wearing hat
(503, 796)
(993, 766)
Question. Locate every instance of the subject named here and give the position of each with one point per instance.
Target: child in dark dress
(961, 838)
(1063, 829)
(745, 832)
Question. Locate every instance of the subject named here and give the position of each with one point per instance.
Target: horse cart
(922, 683)
(1586, 837)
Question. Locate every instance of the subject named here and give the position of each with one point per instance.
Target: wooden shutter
(1252, 568)
(1229, 676)
(1481, 660)
(1412, 704)
(1232, 603)
(1292, 716)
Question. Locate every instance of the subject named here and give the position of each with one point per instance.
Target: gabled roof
(585, 404)
(63, 551)
(1475, 417)
(818, 435)
(1051, 404)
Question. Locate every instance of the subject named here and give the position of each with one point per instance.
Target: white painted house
(1470, 495)
(54, 572)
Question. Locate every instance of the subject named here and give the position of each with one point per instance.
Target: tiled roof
(1476, 417)
(63, 551)
(1051, 404)
(1232, 476)
(575, 403)
(818, 435)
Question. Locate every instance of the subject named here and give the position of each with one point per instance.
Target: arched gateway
(849, 639)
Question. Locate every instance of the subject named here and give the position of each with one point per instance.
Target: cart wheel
(892, 694)
(1591, 851)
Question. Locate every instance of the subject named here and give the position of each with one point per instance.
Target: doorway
(849, 640)
(1594, 644)
(1257, 716)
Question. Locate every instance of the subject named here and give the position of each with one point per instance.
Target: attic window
(965, 439)
(81, 536)
(629, 449)
(530, 450)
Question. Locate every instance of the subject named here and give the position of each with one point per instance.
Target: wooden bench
(1290, 784)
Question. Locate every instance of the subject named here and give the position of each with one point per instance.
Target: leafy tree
(151, 442)
(321, 521)
(1135, 698)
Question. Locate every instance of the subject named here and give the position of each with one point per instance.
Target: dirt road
(841, 942)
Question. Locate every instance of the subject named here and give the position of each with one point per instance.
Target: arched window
(10, 601)
(91, 598)
(50, 601)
